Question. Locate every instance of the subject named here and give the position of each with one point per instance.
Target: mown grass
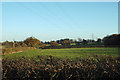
(67, 53)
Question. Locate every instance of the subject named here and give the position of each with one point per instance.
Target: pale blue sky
(55, 20)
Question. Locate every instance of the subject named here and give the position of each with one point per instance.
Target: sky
(48, 21)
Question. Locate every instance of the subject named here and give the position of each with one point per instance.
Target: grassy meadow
(71, 53)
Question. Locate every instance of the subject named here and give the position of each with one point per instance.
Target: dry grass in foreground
(52, 68)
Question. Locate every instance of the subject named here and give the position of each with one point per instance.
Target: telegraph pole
(92, 36)
(13, 43)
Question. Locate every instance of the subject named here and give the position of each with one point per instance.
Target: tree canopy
(53, 43)
(32, 42)
(112, 40)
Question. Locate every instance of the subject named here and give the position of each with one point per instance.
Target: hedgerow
(52, 68)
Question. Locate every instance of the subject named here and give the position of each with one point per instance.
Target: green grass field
(67, 53)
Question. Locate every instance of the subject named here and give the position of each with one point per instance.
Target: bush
(48, 67)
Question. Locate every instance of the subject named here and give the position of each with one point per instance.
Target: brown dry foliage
(48, 67)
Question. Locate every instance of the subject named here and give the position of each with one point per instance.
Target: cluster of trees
(112, 40)
(29, 42)
(67, 42)
(32, 42)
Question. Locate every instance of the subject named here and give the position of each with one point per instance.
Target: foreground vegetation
(52, 68)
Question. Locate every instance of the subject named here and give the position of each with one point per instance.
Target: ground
(67, 53)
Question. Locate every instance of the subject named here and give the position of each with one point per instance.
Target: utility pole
(92, 36)
(13, 43)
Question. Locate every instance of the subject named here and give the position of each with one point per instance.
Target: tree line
(110, 40)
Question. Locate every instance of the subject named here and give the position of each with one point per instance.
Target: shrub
(49, 67)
